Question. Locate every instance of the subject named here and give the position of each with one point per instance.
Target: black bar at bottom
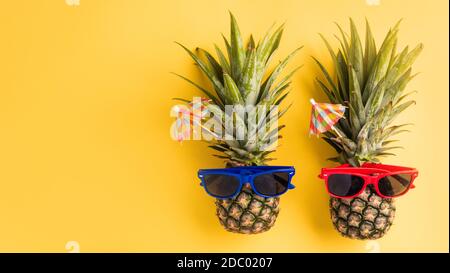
(220, 262)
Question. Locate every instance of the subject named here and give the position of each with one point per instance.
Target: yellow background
(85, 152)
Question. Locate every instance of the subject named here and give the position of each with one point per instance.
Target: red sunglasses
(389, 181)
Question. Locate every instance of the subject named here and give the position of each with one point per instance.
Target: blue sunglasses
(266, 181)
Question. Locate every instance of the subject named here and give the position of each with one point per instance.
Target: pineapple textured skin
(248, 213)
(367, 216)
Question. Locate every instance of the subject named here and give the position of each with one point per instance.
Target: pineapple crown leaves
(371, 82)
(239, 76)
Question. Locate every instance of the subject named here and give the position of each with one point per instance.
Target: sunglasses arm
(200, 176)
(415, 175)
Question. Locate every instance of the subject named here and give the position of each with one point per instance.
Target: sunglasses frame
(246, 175)
(371, 173)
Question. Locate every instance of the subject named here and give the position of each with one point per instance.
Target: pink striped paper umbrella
(324, 116)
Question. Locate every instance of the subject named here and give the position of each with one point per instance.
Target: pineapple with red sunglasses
(366, 96)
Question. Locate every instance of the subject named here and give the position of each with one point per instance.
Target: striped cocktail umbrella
(324, 116)
(187, 116)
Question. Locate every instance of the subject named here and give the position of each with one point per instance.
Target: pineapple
(241, 78)
(370, 82)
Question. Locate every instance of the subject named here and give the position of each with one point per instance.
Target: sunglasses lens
(394, 185)
(221, 185)
(271, 184)
(345, 185)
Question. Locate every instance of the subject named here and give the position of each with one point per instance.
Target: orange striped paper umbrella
(324, 116)
(187, 116)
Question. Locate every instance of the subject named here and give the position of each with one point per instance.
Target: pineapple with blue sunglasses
(241, 77)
